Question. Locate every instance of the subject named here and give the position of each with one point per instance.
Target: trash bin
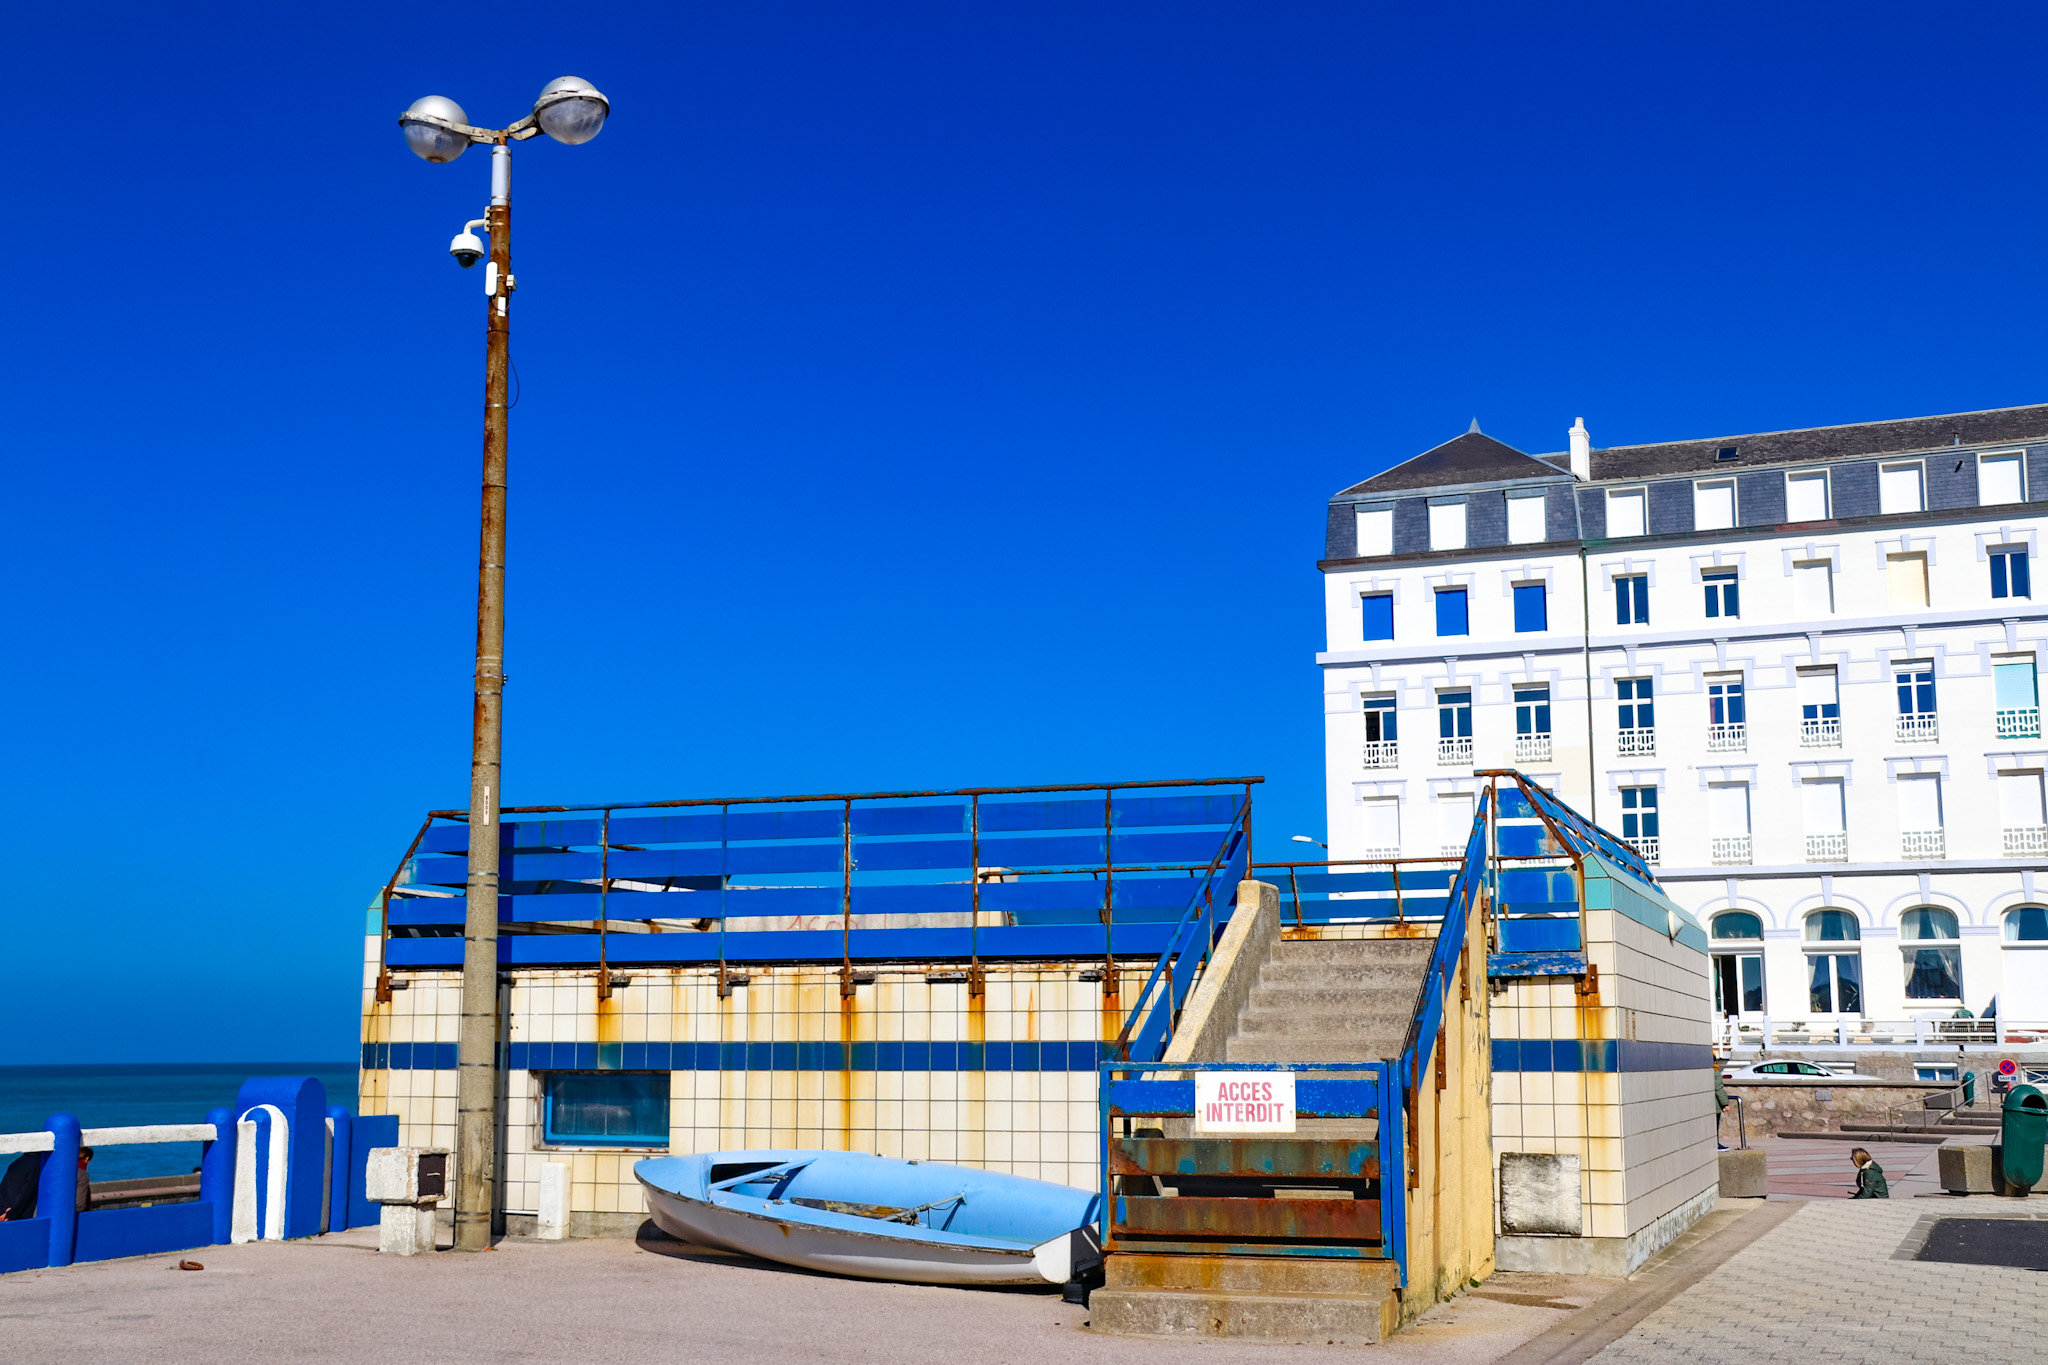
(1969, 1090)
(2022, 1131)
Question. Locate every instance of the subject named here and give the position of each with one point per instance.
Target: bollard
(57, 1188)
(552, 1224)
(408, 1182)
(337, 1200)
(217, 1173)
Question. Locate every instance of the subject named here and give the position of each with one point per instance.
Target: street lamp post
(572, 111)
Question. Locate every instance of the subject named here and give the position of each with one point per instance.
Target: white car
(1795, 1073)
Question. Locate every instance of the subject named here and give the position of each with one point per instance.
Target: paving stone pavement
(1828, 1286)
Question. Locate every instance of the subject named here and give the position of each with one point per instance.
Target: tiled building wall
(908, 1067)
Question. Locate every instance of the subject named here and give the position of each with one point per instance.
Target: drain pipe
(1586, 652)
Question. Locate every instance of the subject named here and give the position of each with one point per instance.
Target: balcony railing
(2019, 722)
(1383, 753)
(1455, 752)
(1382, 852)
(1827, 848)
(1923, 728)
(1923, 843)
(1823, 733)
(1649, 846)
(2026, 841)
(1532, 748)
(1729, 737)
(1636, 740)
(1730, 850)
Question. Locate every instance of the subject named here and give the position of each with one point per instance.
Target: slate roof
(1472, 458)
(1991, 427)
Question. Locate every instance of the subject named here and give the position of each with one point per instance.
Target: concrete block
(406, 1175)
(1745, 1174)
(405, 1229)
(1965, 1170)
(1539, 1193)
(552, 1224)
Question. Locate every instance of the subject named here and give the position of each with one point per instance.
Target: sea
(116, 1096)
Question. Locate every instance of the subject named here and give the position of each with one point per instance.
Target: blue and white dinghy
(878, 1218)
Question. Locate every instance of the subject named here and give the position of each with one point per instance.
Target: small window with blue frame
(1632, 599)
(1532, 608)
(606, 1109)
(1532, 710)
(1638, 813)
(1724, 593)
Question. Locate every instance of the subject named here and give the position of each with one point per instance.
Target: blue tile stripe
(1032, 1056)
(1600, 1054)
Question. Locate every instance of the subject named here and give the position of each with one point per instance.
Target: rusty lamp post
(572, 111)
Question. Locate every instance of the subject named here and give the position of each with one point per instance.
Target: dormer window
(1727, 452)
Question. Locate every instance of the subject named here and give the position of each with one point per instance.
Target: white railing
(1532, 748)
(2027, 841)
(111, 1137)
(1730, 850)
(1822, 733)
(1373, 854)
(1732, 736)
(1638, 739)
(1383, 753)
(1649, 847)
(1452, 850)
(1827, 848)
(1454, 751)
(1836, 1033)
(1924, 728)
(2020, 722)
(1923, 843)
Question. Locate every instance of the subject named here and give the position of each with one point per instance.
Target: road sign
(2008, 1067)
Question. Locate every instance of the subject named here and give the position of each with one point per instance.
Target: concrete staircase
(1328, 1000)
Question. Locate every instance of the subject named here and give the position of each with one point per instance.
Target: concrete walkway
(334, 1299)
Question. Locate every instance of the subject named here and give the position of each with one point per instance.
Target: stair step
(1415, 950)
(1256, 1022)
(1392, 976)
(1314, 1048)
(1301, 1319)
(1333, 999)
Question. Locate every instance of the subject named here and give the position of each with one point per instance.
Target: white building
(1798, 669)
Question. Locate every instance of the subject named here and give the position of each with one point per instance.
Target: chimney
(1582, 450)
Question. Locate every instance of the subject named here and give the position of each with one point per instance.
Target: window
(1452, 618)
(1920, 830)
(1820, 709)
(1806, 496)
(1376, 615)
(1626, 514)
(1636, 716)
(1936, 1074)
(1834, 983)
(1905, 579)
(1813, 587)
(1383, 826)
(1532, 709)
(1738, 974)
(1723, 597)
(1727, 452)
(2001, 478)
(1632, 599)
(2020, 814)
(1900, 488)
(1525, 518)
(1728, 822)
(1454, 821)
(1933, 953)
(1375, 531)
(1447, 525)
(1532, 612)
(1454, 715)
(1639, 815)
(2009, 576)
(1738, 924)
(1827, 838)
(1916, 702)
(613, 1109)
(1724, 703)
(2026, 924)
(1381, 750)
(2014, 694)
(1713, 505)
(1832, 926)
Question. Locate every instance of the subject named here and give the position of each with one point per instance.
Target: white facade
(1855, 727)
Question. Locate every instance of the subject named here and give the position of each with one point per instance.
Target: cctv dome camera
(467, 249)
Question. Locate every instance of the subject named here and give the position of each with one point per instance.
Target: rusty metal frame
(383, 991)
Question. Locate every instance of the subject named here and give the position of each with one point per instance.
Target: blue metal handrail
(1156, 1011)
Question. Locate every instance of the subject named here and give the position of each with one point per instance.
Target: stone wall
(1778, 1108)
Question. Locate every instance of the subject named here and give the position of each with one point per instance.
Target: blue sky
(917, 395)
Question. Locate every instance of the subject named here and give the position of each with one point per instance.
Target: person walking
(1721, 1103)
(1869, 1177)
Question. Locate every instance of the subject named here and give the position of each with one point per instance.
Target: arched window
(2026, 924)
(1738, 924)
(1834, 978)
(1832, 926)
(1933, 950)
